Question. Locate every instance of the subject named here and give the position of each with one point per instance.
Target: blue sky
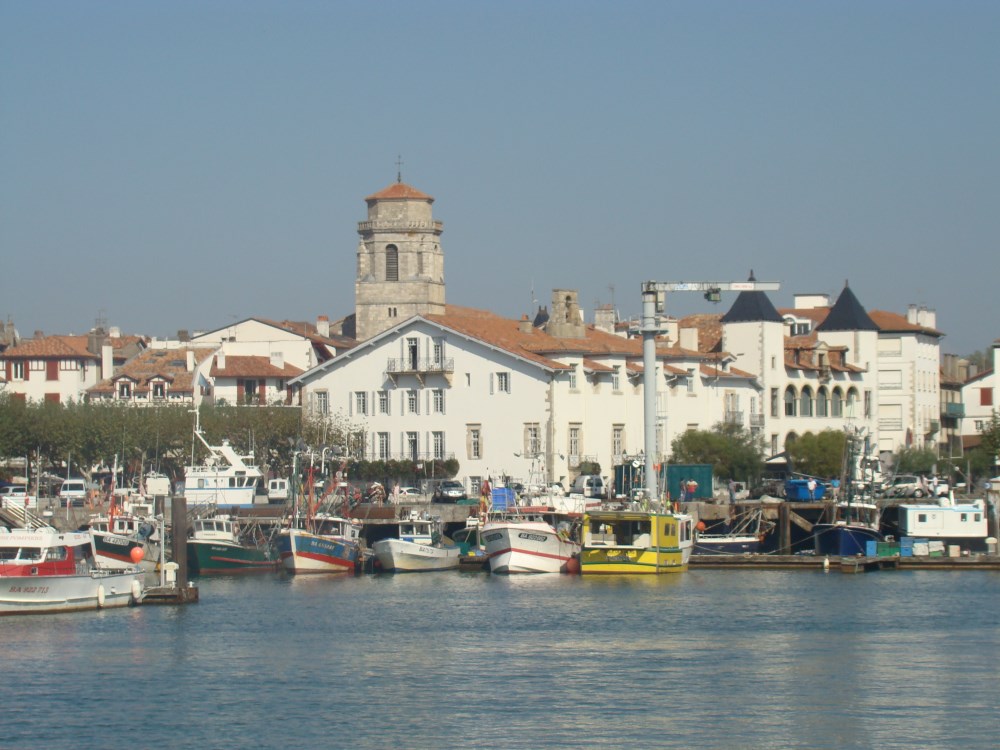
(178, 165)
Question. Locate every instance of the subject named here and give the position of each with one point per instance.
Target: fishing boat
(529, 544)
(225, 477)
(636, 542)
(221, 545)
(855, 520)
(44, 570)
(741, 536)
(470, 541)
(419, 547)
(320, 544)
(128, 525)
(964, 525)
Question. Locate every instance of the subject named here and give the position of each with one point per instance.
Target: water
(713, 659)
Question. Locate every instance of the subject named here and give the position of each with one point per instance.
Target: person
(811, 486)
(732, 490)
(692, 490)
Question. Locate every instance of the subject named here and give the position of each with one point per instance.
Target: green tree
(818, 454)
(732, 450)
(916, 461)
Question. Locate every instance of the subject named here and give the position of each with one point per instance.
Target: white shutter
(491, 383)
(350, 404)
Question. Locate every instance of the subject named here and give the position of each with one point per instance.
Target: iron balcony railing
(402, 366)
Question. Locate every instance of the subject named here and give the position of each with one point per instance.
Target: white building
(979, 397)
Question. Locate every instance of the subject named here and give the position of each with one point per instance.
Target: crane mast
(653, 305)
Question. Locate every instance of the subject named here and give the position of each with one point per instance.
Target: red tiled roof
(890, 321)
(52, 347)
(252, 367)
(157, 364)
(709, 327)
(399, 191)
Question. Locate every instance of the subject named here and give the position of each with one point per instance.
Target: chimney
(220, 359)
(107, 361)
(115, 332)
(183, 336)
(323, 326)
(911, 315)
(524, 325)
(278, 360)
(190, 360)
(689, 339)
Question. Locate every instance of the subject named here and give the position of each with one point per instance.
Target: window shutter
(350, 404)
(491, 383)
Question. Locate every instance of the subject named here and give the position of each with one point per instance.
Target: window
(474, 441)
(412, 405)
(383, 446)
(437, 443)
(790, 402)
(411, 446)
(805, 402)
(383, 402)
(822, 403)
(774, 445)
(774, 402)
(616, 379)
(503, 382)
(868, 404)
(837, 403)
(437, 352)
(391, 263)
(574, 439)
(321, 402)
(17, 371)
(412, 354)
(124, 389)
(52, 369)
(690, 380)
(361, 402)
(572, 378)
(617, 440)
(437, 400)
(532, 439)
(159, 390)
(986, 397)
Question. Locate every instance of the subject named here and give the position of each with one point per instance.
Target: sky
(183, 165)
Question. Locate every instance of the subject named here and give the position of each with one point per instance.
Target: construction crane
(654, 295)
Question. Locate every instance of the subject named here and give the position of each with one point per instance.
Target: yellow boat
(636, 542)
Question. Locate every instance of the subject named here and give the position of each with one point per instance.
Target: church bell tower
(400, 263)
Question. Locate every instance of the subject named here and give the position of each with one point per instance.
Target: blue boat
(855, 521)
(324, 544)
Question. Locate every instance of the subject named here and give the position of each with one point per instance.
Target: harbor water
(709, 658)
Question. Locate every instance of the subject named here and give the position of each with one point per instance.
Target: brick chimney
(323, 326)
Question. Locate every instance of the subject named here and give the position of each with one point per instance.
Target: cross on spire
(399, 169)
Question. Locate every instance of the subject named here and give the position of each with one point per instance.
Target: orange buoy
(137, 553)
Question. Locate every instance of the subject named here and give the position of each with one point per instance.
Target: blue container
(798, 489)
(871, 548)
(503, 498)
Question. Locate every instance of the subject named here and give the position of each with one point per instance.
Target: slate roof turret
(847, 314)
(752, 307)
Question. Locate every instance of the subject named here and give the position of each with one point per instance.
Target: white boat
(224, 478)
(948, 522)
(128, 525)
(528, 545)
(418, 548)
(44, 570)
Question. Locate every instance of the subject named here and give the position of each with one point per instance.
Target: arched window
(852, 401)
(790, 402)
(837, 403)
(806, 402)
(822, 403)
(391, 263)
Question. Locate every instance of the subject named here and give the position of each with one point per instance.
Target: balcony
(933, 427)
(733, 417)
(956, 411)
(420, 368)
(890, 425)
(756, 420)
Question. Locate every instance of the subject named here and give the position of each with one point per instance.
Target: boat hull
(725, 544)
(115, 551)
(304, 552)
(98, 589)
(401, 556)
(843, 539)
(636, 543)
(634, 561)
(527, 547)
(206, 558)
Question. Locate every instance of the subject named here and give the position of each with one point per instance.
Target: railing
(756, 420)
(890, 424)
(933, 427)
(405, 365)
(397, 455)
(954, 410)
(734, 417)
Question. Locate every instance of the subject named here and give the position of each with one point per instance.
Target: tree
(732, 450)
(916, 461)
(818, 454)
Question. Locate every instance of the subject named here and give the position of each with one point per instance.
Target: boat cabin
(41, 552)
(944, 521)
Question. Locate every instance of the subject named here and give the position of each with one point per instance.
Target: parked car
(407, 492)
(73, 493)
(17, 495)
(449, 491)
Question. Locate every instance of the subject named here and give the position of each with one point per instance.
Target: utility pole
(654, 295)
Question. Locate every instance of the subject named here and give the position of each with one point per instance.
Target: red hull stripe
(531, 553)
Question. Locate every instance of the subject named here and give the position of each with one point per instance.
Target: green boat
(220, 546)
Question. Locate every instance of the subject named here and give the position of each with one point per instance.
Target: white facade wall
(909, 390)
(253, 338)
(978, 414)
(74, 377)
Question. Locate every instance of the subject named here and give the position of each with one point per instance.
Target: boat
(320, 544)
(855, 520)
(221, 545)
(44, 570)
(225, 477)
(470, 542)
(128, 524)
(418, 548)
(961, 524)
(529, 543)
(636, 542)
(742, 536)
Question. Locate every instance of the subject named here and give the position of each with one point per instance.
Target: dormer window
(124, 389)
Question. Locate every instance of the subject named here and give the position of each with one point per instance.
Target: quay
(844, 564)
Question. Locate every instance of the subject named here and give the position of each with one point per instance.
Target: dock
(858, 564)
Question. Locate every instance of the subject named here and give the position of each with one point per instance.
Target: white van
(277, 490)
(72, 492)
(589, 485)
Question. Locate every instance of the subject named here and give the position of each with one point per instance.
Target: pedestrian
(811, 485)
(732, 490)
